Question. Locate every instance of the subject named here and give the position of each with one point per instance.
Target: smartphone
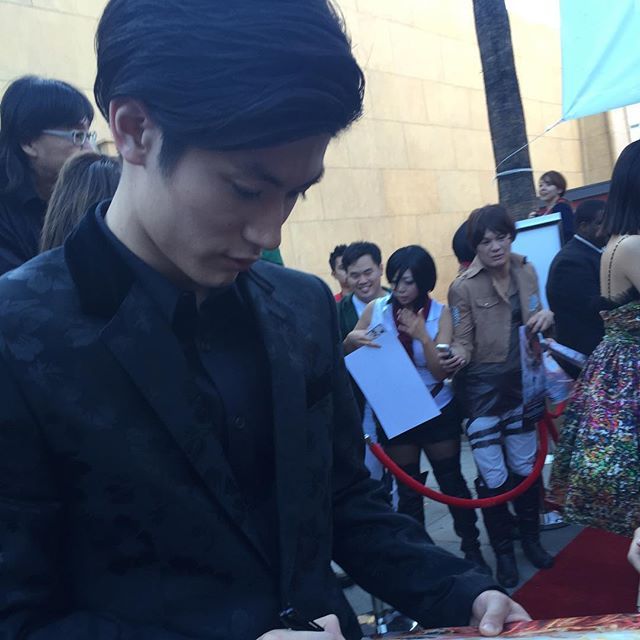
(375, 332)
(444, 349)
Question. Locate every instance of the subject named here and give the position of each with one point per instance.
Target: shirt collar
(476, 266)
(589, 244)
(164, 293)
(176, 305)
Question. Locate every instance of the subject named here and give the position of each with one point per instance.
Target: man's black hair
(229, 74)
(462, 250)
(622, 213)
(422, 267)
(588, 211)
(356, 250)
(491, 217)
(29, 105)
(337, 252)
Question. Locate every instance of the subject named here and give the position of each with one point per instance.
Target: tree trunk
(504, 106)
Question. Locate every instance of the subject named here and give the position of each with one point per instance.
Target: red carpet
(591, 576)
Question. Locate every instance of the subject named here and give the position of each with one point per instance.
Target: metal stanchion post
(378, 614)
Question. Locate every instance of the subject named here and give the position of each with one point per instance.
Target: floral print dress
(596, 471)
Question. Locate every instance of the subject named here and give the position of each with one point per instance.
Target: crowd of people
(181, 453)
(592, 289)
(181, 449)
(495, 293)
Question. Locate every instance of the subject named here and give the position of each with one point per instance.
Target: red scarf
(405, 339)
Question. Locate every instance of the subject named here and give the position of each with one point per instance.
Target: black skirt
(446, 426)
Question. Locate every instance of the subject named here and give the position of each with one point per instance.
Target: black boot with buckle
(527, 507)
(498, 523)
(452, 483)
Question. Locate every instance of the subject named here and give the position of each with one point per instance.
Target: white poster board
(539, 239)
(391, 384)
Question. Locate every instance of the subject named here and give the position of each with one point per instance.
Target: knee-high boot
(452, 483)
(410, 502)
(527, 507)
(497, 520)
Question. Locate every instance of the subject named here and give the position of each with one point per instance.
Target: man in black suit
(180, 451)
(573, 286)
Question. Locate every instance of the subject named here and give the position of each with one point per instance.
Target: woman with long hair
(85, 180)
(420, 323)
(596, 471)
(42, 123)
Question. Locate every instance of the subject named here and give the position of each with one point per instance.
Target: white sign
(539, 239)
(392, 385)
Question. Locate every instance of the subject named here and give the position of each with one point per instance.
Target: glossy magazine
(612, 627)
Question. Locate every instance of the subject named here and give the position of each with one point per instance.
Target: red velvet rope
(469, 503)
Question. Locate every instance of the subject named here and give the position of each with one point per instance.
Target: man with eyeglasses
(43, 122)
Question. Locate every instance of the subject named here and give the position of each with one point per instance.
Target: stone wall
(418, 161)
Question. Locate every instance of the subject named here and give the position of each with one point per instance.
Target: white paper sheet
(392, 385)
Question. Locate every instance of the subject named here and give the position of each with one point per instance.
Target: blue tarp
(600, 55)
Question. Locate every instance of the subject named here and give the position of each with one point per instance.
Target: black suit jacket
(573, 291)
(119, 515)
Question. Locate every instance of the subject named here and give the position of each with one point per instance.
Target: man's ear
(134, 133)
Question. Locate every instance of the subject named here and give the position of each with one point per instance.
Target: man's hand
(329, 623)
(633, 556)
(540, 321)
(492, 610)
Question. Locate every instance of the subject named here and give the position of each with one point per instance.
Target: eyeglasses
(78, 137)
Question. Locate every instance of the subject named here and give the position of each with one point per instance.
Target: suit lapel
(284, 351)
(151, 355)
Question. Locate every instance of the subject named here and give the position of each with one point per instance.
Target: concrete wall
(419, 160)
(50, 38)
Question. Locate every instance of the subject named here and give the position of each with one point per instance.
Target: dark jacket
(565, 209)
(573, 291)
(347, 315)
(21, 218)
(119, 515)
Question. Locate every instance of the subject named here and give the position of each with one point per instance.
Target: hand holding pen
(325, 628)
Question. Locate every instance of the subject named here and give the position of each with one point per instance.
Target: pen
(294, 621)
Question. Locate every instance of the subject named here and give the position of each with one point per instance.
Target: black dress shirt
(231, 379)
(21, 217)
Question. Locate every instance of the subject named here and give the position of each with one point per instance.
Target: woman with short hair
(551, 189)
(420, 323)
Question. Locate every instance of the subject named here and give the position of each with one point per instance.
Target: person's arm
(463, 327)
(413, 325)
(11, 251)
(35, 603)
(358, 337)
(633, 555)
(540, 319)
(568, 219)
